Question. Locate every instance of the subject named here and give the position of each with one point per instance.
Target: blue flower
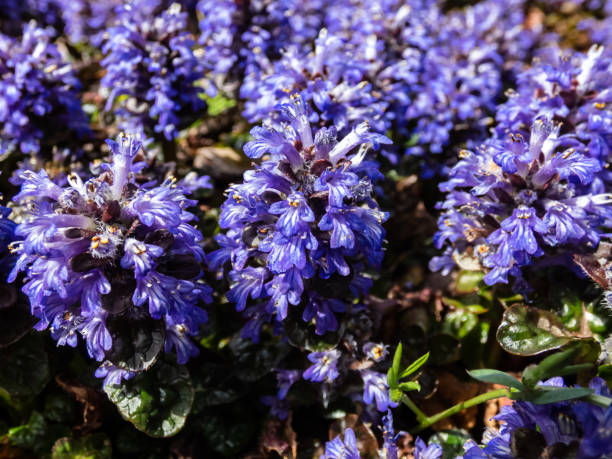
(286, 379)
(376, 390)
(538, 188)
(422, 451)
(96, 252)
(39, 90)
(579, 428)
(151, 69)
(324, 368)
(339, 449)
(305, 214)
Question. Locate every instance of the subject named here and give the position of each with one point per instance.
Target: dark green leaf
(306, 337)
(95, 446)
(15, 320)
(25, 367)
(549, 394)
(227, 435)
(137, 343)
(525, 330)
(496, 377)
(156, 402)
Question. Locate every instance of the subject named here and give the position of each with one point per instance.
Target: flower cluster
(152, 70)
(36, 86)
(563, 429)
(327, 366)
(330, 81)
(302, 221)
(85, 20)
(95, 253)
(539, 188)
(240, 40)
(433, 77)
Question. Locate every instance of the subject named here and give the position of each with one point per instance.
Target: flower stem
(599, 400)
(430, 420)
(421, 417)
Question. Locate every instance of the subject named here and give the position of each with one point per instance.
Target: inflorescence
(152, 69)
(537, 191)
(113, 261)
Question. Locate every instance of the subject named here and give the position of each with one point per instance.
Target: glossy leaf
(525, 330)
(136, 343)
(25, 367)
(156, 402)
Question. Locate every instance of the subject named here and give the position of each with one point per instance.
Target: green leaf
(468, 281)
(414, 366)
(397, 361)
(570, 360)
(451, 441)
(36, 435)
(156, 402)
(605, 372)
(410, 386)
(218, 104)
(549, 394)
(95, 446)
(15, 319)
(136, 343)
(227, 432)
(496, 377)
(459, 323)
(525, 330)
(25, 367)
(391, 379)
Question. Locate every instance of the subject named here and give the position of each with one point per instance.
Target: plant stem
(421, 417)
(430, 420)
(598, 400)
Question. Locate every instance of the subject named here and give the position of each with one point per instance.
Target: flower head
(304, 217)
(113, 261)
(540, 191)
(38, 91)
(151, 69)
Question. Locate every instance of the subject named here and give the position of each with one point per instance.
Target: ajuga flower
(572, 429)
(38, 92)
(342, 449)
(241, 39)
(301, 220)
(151, 69)
(540, 191)
(330, 81)
(114, 261)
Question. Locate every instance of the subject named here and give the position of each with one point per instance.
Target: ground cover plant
(306, 229)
